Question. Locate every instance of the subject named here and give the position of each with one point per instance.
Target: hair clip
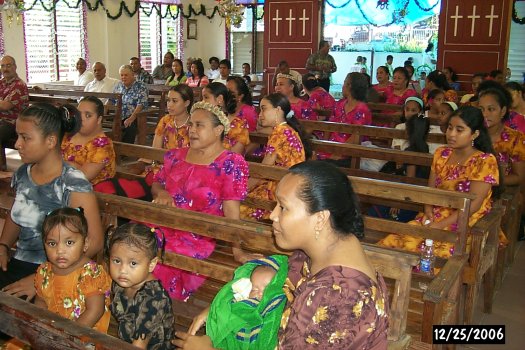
(153, 230)
(68, 117)
(290, 115)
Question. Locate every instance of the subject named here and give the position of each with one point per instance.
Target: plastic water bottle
(426, 263)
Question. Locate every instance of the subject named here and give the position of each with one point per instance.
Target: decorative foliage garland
(147, 10)
(515, 17)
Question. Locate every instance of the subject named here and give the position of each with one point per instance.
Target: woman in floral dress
(90, 150)
(287, 145)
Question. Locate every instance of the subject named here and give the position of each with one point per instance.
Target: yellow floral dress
(510, 148)
(337, 308)
(97, 150)
(238, 132)
(453, 177)
(172, 136)
(66, 295)
(286, 143)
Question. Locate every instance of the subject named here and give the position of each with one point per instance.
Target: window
(158, 35)
(54, 41)
(243, 38)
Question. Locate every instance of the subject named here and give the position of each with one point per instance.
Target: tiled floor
(508, 308)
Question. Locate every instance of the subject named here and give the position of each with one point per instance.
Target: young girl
(238, 137)
(413, 107)
(43, 183)
(466, 164)
(70, 283)
(141, 306)
(435, 98)
(90, 150)
(445, 111)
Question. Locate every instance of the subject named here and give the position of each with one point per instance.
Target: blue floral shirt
(136, 94)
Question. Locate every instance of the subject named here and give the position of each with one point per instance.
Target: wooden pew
(111, 121)
(484, 234)
(43, 329)
(395, 266)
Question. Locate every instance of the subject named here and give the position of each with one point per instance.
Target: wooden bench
(112, 121)
(395, 266)
(43, 329)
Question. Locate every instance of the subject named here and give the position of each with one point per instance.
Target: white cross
(455, 18)
(290, 19)
(473, 17)
(491, 17)
(277, 19)
(304, 19)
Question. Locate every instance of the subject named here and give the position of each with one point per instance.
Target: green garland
(515, 17)
(123, 8)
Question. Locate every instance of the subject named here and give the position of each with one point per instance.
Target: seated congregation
(320, 286)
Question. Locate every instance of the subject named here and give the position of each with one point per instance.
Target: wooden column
(473, 36)
(291, 33)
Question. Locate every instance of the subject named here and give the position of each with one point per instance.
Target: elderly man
(163, 71)
(322, 65)
(13, 98)
(134, 100)
(84, 76)
(101, 83)
(140, 73)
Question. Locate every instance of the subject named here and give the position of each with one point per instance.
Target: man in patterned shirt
(134, 100)
(322, 65)
(13, 98)
(141, 74)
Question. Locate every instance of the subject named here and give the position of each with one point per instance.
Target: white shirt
(213, 74)
(220, 80)
(84, 78)
(403, 144)
(105, 85)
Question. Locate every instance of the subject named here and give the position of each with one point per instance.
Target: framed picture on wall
(192, 29)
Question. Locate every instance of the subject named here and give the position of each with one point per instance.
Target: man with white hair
(101, 83)
(14, 98)
(134, 100)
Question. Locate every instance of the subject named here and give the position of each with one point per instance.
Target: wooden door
(473, 36)
(292, 33)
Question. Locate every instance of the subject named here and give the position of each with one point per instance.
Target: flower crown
(216, 111)
(288, 76)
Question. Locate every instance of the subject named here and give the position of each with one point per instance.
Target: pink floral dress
(200, 188)
(516, 121)
(359, 115)
(302, 110)
(249, 114)
(320, 99)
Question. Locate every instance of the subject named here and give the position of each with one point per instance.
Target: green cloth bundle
(249, 324)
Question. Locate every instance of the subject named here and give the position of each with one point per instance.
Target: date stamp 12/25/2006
(468, 334)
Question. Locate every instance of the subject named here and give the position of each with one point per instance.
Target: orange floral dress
(172, 136)
(510, 148)
(286, 143)
(453, 177)
(238, 132)
(66, 295)
(97, 150)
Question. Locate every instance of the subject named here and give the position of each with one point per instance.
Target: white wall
(113, 42)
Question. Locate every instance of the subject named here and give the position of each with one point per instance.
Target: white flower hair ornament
(290, 114)
(216, 111)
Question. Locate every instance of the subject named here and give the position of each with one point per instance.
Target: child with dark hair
(413, 107)
(43, 183)
(467, 164)
(70, 283)
(321, 103)
(141, 305)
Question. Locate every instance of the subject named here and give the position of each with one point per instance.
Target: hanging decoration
(2, 43)
(515, 16)
(12, 9)
(227, 9)
(231, 12)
